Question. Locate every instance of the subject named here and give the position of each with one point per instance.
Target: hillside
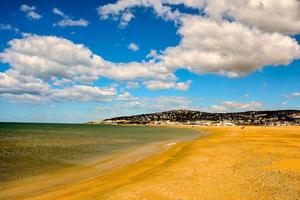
(270, 118)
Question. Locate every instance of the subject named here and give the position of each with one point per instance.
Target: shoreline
(93, 168)
(229, 163)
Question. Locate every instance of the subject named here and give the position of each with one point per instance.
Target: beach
(227, 163)
(44, 157)
(150, 100)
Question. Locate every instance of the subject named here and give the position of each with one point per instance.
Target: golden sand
(230, 163)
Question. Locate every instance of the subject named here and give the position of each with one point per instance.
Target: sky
(69, 62)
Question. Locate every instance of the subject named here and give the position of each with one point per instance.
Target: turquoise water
(28, 149)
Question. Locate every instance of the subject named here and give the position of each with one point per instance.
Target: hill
(268, 118)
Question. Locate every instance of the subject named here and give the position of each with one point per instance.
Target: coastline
(93, 168)
(229, 163)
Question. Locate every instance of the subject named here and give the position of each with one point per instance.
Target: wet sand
(229, 163)
(36, 186)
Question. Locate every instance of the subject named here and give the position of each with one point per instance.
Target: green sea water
(28, 149)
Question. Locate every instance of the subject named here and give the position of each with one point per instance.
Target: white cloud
(121, 7)
(30, 12)
(273, 16)
(231, 38)
(15, 86)
(226, 48)
(84, 93)
(67, 20)
(152, 54)
(26, 8)
(168, 103)
(125, 96)
(213, 44)
(59, 12)
(33, 15)
(132, 85)
(53, 58)
(231, 50)
(25, 98)
(233, 106)
(38, 62)
(24, 34)
(125, 19)
(135, 70)
(71, 22)
(133, 47)
(54, 68)
(14, 83)
(50, 58)
(292, 95)
(143, 105)
(163, 85)
(8, 27)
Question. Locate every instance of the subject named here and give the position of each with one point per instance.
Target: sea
(30, 149)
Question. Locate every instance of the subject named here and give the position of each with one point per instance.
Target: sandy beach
(229, 163)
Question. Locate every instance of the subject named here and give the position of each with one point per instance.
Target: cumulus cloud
(233, 106)
(60, 62)
(30, 12)
(122, 9)
(228, 48)
(15, 87)
(84, 93)
(50, 58)
(133, 47)
(54, 58)
(271, 16)
(163, 85)
(26, 88)
(135, 71)
(14, 83)
(67, 20)
(222, 41)
(56, 68)
(230, 38)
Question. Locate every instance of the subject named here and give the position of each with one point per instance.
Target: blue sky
(73, 62)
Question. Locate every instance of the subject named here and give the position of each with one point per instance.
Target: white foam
(170, 144)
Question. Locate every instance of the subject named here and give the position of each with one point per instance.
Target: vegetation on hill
(276, 117)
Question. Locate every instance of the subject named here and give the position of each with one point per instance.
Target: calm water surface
(28, 149)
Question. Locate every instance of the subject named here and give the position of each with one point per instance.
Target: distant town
(190, 117)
